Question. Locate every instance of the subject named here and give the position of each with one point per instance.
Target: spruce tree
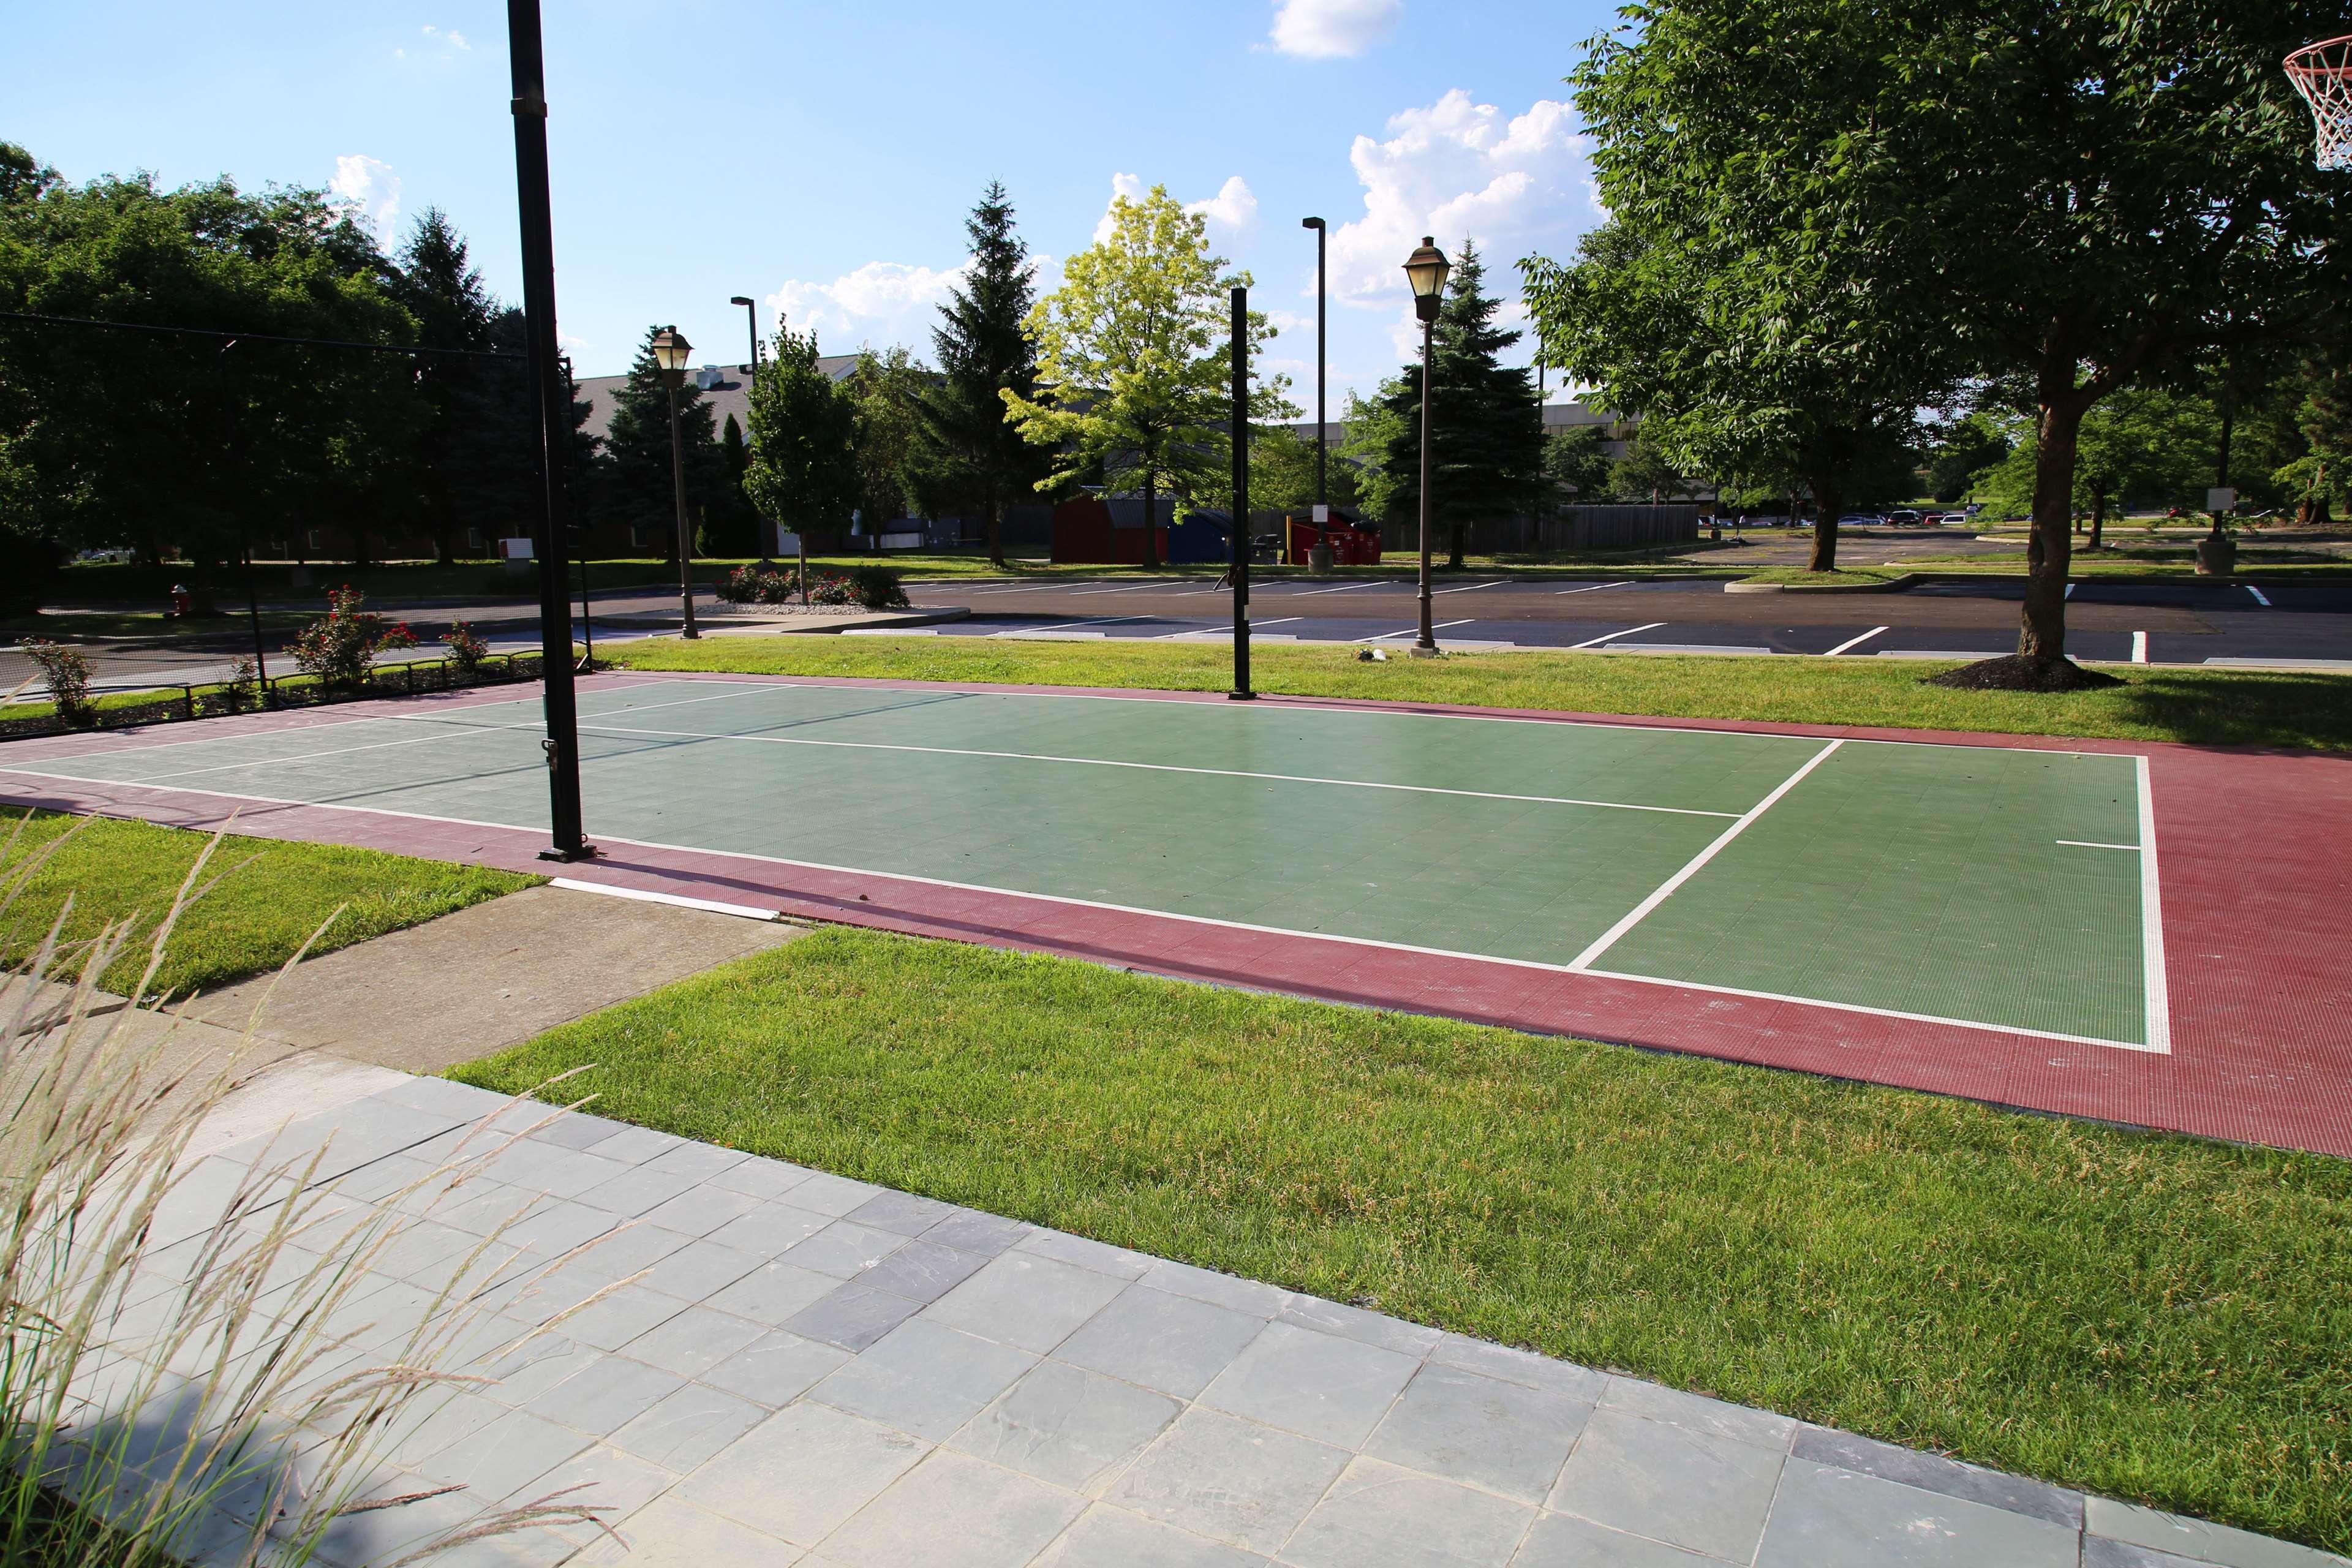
(1487, 440)
(970, 451)
(636, 488)
(731, 525)
(441, 288)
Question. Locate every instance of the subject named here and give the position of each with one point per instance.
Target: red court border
(2255, 859)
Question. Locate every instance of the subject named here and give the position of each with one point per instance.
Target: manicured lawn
(2149, 1317)
(1848, 576)
(270, 896)
(2147, 560)
(2203, 707)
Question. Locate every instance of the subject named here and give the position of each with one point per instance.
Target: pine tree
(971, 454)
(1487, 440)
(444, 291)
(637, 491)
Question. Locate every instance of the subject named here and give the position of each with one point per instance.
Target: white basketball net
(2321, 72)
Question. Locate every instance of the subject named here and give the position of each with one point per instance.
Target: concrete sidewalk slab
(765, 1396)
(487, 977)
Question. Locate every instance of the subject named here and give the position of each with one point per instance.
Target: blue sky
(821, 158)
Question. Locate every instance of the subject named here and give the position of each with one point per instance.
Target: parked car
(1859, 520)
(1903, 517)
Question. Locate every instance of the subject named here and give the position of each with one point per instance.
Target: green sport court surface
(2013, 889)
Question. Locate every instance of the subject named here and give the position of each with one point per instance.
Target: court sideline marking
(1145, 767)
(1642, 910)
(1364, 941)
(2158, 1025)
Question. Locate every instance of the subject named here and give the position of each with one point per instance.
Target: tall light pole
(1425, 269)
(670, 351)
(751, 315)
(529, 71)
(1322, 492)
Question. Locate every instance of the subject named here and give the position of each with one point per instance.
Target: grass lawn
(2148, 561)
(2149, 1317)
(1852, 576)
(271, 896)
(2199, 706)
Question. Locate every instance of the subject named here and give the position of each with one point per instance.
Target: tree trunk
(995, 526)
(1826, 500)
(2042, 632)
(2098, 520)
(1151, 535)
(1453, 548)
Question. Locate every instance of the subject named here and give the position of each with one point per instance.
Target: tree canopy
(1132, 352)
(637, 484)
(803, 440)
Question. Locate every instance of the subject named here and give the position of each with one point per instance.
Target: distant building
(1570, 415)
(727, 388)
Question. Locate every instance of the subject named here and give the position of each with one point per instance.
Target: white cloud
(371, 187)
(454, 39)
(1518, 185)
(880, 304)
(1234, 209)
(1330, 29)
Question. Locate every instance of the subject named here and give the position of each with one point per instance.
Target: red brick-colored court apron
(2257, 892)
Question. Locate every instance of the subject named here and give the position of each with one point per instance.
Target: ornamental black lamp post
(670, 351)
(1239, 436)
(751, 315)
(1322, 492)
(1425, 269)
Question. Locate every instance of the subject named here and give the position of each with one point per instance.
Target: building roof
(727, 388)
(1565, 416)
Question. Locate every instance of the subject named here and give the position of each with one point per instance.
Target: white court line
(1854, 642)
(1143, 767)
(443, 725)
(1470, 588)
(2260, 598)
(1612, 637)
(1364, 941)
(2140, 647)
(2093, 844)
(1415, 631)
(2159, 1025)
(677, 900)
(1348, 588)
(1132, 588)
(1596, 587)
(1641, 911)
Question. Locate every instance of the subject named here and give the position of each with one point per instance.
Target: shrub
(180, 1372)
(877, 588)
(65, 671)
(240, 690)
(340, 646)
(467, 649)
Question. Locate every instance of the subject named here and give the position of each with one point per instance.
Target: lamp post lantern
(1425, 269)
(670, 351)
(751, 316)
(1322, 491)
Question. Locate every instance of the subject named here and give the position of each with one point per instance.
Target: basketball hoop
(2321, 72)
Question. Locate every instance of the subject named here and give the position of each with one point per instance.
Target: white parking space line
(1612, 637)
(1227, 630)
(1596, 587)
(1471, 587)
(1090, 621)
(2140, 647)
(1134, 589)
(2070, 590)
(1035, 588)
(1346, 588)
(2260, 598)
(1642, 910)
(1854, 642)
(1415, 631)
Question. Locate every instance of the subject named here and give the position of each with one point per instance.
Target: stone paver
(754, 1364)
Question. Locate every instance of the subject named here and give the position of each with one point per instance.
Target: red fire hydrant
(183, 602)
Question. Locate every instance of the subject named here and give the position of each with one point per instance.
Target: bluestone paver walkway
(818, 1372)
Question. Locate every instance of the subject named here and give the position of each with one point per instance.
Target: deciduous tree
(803, 440)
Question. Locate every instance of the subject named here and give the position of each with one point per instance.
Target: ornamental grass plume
(186, 1370)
